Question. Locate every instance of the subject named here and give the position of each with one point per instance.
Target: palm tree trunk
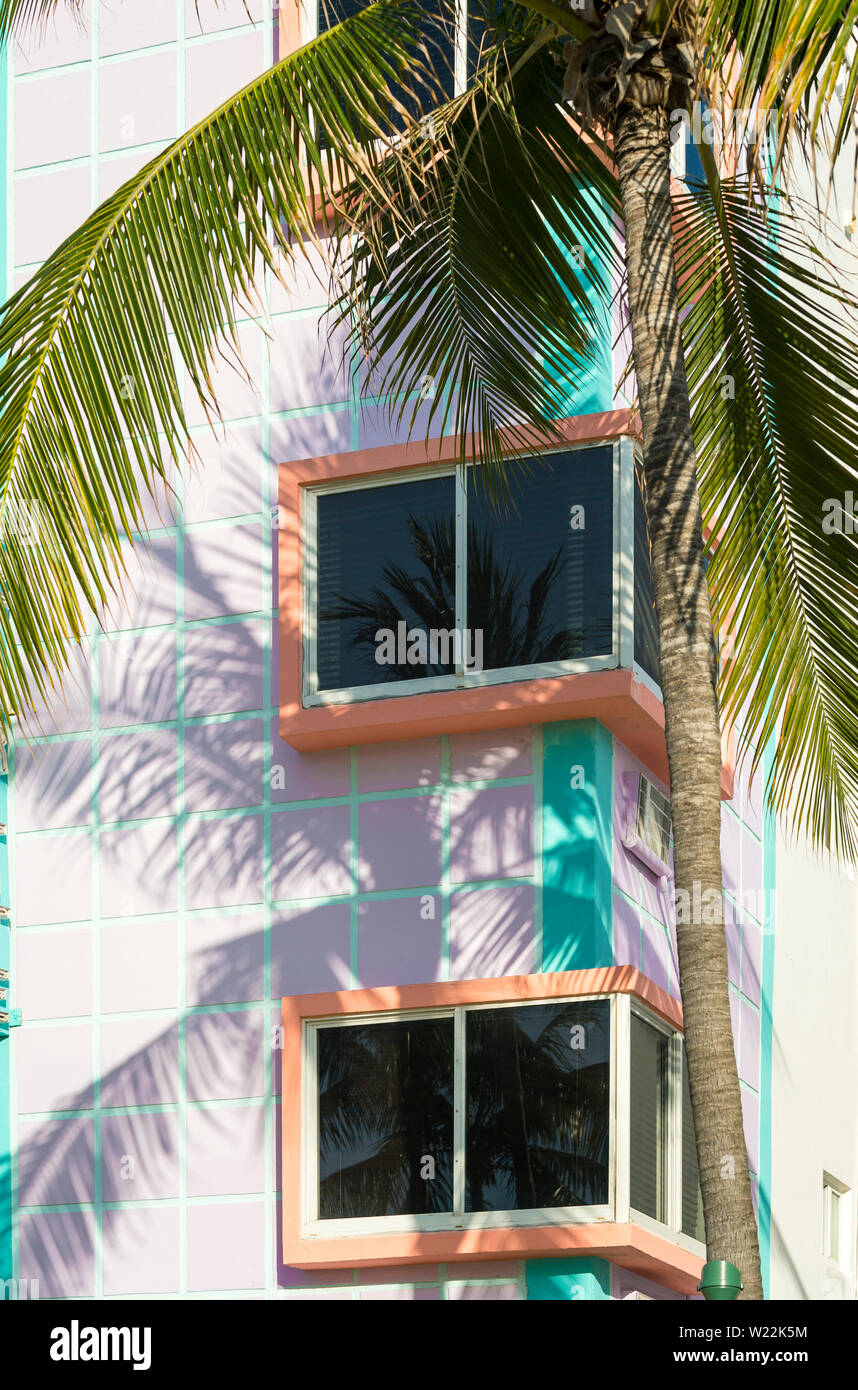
(688, 675)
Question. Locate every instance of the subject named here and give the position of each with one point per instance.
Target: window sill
(615, 697)
(624, 1244)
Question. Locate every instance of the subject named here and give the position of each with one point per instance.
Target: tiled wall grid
(176, 867)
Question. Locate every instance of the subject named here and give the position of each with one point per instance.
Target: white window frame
(616, 1209)
(832, 1188)
(623, 585)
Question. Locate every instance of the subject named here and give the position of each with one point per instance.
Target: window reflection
(540, 563)
(649, 1119)
(387, 556)
(538, 1091)
(539, 574)
(386, 1119)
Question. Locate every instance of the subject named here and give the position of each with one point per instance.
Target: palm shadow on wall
(227, 1052)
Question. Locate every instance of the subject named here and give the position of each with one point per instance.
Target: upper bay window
(418, 580)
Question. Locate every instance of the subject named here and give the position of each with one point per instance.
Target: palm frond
(795, 58)
(495, 294)
(91, 408)
(770, 352)
(32, 14)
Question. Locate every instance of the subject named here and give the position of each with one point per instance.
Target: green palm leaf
(774, 387)
(22, 14)
(798, 58)
(496, 291)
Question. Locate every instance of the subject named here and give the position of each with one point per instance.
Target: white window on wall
(838, 1240)
(835, 1208)
(831, 1219)
(654, 827)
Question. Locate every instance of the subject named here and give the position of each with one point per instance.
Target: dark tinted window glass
(485, 27)
(646, 626)
(333, 12)
(648, 1187)
(692, 1201)
(386, 564)
(386, 1119)
(537, 1106)
(440, 54)
(540, 562)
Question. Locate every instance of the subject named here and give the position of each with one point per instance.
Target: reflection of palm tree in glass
(512, 614)
(385, 1104)
(538, 1122)
(538, 1128)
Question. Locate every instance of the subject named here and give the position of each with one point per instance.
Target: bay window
(419, 580)
(541, 1112)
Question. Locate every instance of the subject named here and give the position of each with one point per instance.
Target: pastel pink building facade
(196, 845)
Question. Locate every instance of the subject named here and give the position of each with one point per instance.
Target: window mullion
(461, 47)
(674, 1135)
(621, 1117)
(459, 1082)
(310, 1103)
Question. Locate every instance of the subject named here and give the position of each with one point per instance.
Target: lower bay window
(473, 1111)
(538, 1112)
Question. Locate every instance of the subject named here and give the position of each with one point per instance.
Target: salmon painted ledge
(630, 709)
(624, 1243)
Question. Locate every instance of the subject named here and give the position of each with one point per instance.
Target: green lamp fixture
(720, 1281)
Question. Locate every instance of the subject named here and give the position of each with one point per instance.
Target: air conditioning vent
(653, 822)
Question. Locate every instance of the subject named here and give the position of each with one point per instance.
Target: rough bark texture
(688, 675)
